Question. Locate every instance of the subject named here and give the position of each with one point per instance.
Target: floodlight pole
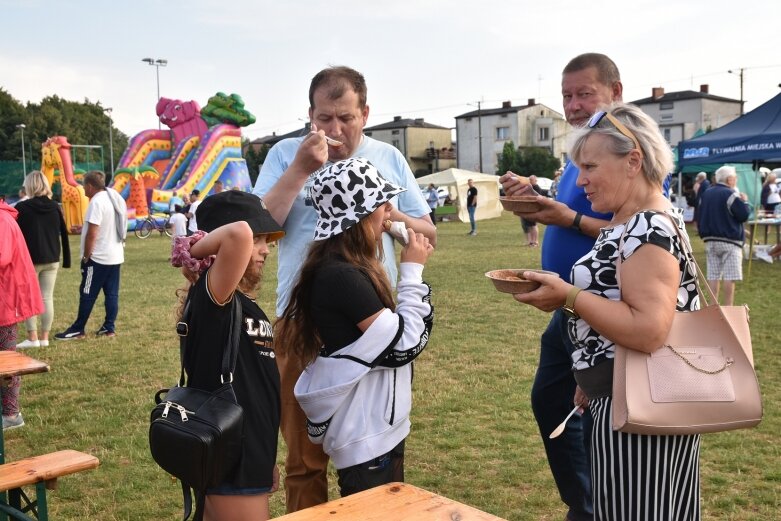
(157, 62)
(22, 126)
(110, 138)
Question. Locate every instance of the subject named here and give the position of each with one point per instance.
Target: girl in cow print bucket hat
(343, 326)
(346, 192)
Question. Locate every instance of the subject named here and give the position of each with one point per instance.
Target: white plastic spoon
(558, 430)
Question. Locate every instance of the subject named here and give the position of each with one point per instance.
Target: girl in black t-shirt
(232, 255)
(342, 324)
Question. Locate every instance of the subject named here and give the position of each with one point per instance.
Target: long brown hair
(295, 332)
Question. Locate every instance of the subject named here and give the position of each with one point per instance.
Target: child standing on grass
(178, 223)
(232, 254)
(342, 324)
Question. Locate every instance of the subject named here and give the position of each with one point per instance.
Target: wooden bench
(41, 471)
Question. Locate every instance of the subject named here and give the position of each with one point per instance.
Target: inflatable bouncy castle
(201, 147)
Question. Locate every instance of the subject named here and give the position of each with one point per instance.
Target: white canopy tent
(455, 180)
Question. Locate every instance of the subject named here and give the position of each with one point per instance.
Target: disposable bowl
(520, 203)
(512, 281)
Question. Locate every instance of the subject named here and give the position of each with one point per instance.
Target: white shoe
(28, 343)
(44, 343)
(764, 256)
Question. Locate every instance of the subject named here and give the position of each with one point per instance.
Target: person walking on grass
(471, 206)
(720, 219)
(432, 198)
(43, 227)
(102, 255)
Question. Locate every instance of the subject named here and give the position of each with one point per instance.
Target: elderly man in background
(720, 218)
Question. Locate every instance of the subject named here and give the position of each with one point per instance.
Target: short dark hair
(337, 78)
(96, 179)
(607, 71)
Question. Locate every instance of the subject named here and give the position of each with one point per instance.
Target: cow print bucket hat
(346, 192)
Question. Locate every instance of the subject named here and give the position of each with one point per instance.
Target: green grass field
(473, 438)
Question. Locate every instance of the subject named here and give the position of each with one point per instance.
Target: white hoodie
(357, 401)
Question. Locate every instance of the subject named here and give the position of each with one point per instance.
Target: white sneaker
(44, 343)
(764, 256)
(29, 343)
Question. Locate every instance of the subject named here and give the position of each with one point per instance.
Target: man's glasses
(599, 116)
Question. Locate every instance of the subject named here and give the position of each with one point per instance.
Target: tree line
(83, 123)
(527, 161)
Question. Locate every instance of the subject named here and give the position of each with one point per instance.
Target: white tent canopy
(455, 180)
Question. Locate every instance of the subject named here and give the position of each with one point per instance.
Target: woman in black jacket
(43, 227)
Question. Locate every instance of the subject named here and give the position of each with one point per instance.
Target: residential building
(271, 140)
(427, 148)
(681, 114)
(482, 133)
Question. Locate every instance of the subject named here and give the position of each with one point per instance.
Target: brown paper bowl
(520, 203)
(511, 281)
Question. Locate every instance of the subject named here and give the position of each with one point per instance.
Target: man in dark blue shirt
(589, 82)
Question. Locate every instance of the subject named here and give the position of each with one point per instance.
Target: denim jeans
(96, 277)
(552, 396)
(471, 210)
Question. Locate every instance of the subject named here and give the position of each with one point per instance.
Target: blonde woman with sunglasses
(623, 161)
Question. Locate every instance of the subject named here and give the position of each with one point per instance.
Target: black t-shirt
(255, 379)
(342, 296)
(471, 196)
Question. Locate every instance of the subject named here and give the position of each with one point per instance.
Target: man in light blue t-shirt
(338, 111)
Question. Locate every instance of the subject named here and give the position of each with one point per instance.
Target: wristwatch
(569, 305)
(576, 222)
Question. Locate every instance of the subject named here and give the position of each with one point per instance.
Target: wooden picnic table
(14, 363)
(391, 502)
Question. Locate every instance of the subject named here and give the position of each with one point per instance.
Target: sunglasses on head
(602, 114)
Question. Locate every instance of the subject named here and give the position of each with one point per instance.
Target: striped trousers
(639, 477)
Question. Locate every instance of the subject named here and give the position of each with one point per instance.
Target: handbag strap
(229, 355)
(699, 278)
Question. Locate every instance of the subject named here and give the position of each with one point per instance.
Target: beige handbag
(702, 378)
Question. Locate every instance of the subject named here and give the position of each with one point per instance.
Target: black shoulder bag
(195, 435)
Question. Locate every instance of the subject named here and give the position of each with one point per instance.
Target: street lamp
(22, 126)
(740, 73)
(157, 62)
(110, 138)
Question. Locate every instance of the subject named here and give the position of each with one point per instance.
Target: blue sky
(422, 58)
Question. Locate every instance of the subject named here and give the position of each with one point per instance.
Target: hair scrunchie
(180, 253)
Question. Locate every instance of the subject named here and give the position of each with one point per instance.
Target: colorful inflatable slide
(201, 147)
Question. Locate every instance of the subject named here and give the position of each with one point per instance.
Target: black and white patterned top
(595, 272)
